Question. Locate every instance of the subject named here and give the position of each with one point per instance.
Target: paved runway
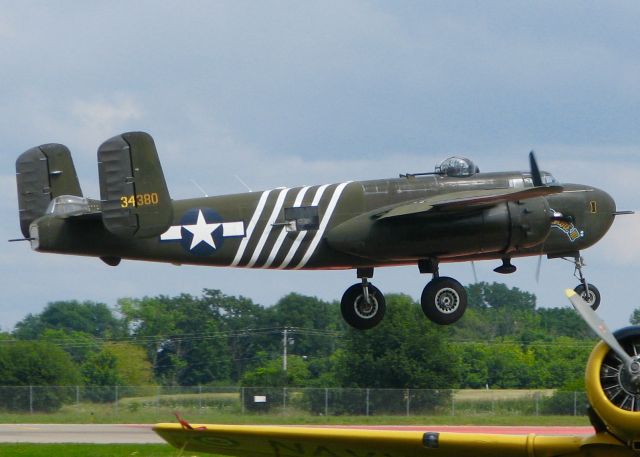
(142, 434)
(78, 433)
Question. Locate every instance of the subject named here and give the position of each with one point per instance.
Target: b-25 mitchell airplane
(453, 214)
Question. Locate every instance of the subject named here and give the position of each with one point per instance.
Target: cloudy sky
(290, 93)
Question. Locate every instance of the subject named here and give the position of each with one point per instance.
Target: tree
(132, 364)
(78, 345)
(35, 363)
(183, 338)
(272, 374)
(117, 364)
(242, 320)
(404, 351)
(92, 318)
(314, 323)
(498, 295)
(509, 366)
(100, 375)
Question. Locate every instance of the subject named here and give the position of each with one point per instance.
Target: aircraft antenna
(243, 183)
(199, 188)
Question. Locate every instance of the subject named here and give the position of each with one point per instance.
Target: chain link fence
(123, 400)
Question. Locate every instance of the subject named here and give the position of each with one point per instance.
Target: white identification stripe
(252, 224)
(296, 243)
(323, 225)
(174, 233)
(267, 228)
(283, 232)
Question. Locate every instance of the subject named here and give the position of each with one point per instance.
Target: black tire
(444, 300)
(357, 313)
(592, 298)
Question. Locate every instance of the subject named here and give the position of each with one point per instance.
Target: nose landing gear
(588, 292)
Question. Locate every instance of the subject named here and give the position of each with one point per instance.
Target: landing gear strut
(443, 300)
(363, 305)
(588, 292)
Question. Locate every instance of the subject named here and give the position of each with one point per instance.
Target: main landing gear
(363, 305)
(443, 300)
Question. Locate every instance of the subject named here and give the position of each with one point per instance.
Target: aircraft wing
(293, 441)
(466, 199)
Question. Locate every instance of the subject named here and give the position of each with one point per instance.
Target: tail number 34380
(139, 200)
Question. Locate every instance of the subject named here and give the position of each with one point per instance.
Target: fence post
(77, 395)
(284, 399)
(408, 400)
(575, 403)
(367, 401)
(116, 400)
(537, 397)
(242, 399)
(30, 399)
(158, 399)
(199, 396)
(326, 401)
(453, 404)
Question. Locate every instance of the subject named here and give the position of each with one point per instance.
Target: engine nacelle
(503, 228)
(612, 393)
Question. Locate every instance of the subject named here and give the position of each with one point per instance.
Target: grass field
(474, 407)
(95, 450)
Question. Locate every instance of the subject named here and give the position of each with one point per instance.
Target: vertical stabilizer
(43, 173)
(134, 194)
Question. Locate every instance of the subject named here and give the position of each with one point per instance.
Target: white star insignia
(202, 231)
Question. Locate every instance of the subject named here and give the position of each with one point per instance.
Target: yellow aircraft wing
(293, 441)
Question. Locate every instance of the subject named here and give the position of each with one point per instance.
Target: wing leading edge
(292, 441)
(466, 199)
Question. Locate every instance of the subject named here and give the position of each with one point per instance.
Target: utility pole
(284, 349)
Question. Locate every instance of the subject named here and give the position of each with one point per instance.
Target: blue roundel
(201, 231)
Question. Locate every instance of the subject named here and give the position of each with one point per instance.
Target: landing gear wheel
(592, 297)
(444, 300)
(359, 313)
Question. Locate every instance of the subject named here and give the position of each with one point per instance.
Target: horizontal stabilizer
(42, 174)
(134, 194)
(466, 199)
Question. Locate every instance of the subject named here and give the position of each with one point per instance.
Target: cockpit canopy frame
(457, 167)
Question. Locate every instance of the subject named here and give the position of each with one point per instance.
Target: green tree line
(504, 341)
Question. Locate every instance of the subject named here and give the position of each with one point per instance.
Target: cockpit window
(548, 179)
(68, 205)
(457, 167)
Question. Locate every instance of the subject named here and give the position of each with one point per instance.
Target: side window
(516, 183)
(302, 218)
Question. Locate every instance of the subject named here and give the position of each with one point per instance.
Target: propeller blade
(598, 326)
(535, 171)
(475, 274)
(538, 269)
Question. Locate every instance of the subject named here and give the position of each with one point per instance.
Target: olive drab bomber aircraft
(612, 381)
(453, 214)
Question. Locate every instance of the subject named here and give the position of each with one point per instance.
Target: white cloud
(99, 118)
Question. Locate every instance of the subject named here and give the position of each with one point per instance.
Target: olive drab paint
(454, 214)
